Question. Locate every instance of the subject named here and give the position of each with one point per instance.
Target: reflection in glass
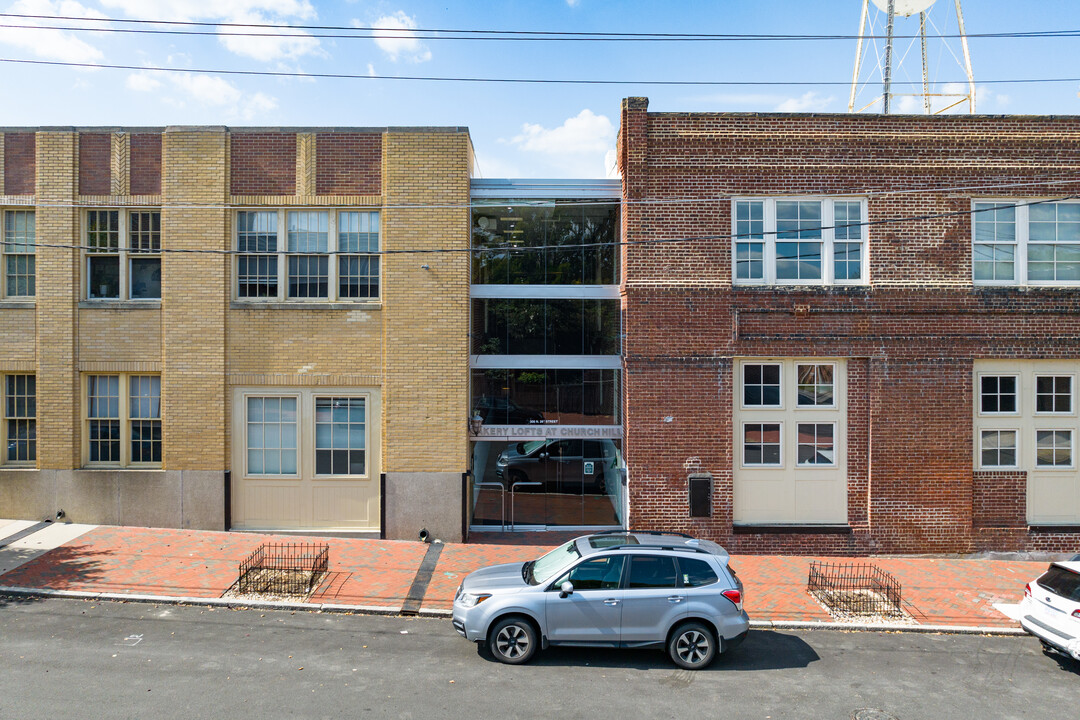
(546, 396)
(564, 244)
(529, 326)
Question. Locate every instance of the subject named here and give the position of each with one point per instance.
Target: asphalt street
(75, 658)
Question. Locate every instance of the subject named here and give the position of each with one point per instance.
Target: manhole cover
(871, 714)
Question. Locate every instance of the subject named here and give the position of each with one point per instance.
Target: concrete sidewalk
(377, 575)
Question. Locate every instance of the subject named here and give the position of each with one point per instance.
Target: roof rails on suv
(650, 548)
(643, 532)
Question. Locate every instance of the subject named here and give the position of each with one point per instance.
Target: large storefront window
(537, 326)
(571, 243)
(546, 397)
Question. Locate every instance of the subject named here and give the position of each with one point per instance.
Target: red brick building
(857, 333)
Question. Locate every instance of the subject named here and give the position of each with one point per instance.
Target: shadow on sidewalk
(68, 567)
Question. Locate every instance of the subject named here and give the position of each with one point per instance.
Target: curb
(441, 613)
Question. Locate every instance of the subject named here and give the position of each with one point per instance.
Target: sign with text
(522, 432)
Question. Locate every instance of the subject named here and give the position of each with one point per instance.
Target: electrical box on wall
(700, 485)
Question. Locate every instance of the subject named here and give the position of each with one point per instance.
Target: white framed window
(122, 421)
(762, 445)
(1023, 243)
(998, 394)
(19, 419)
(799, 241)
(324, 255)
(816, 385)
(308, 433)
(1054, 449)
(123, 254)
(998, 449)
(761, 385)
(18, 236)
(816, 444)
(1053, 394)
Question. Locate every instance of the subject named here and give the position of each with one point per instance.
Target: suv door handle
(611, 601)
(676, 598)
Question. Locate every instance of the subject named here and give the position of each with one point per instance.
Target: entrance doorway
(552, 483)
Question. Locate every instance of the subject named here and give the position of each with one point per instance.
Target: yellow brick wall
(17, 335)
(425, 311)
(119, 335)
(58, 426)
(194, 297)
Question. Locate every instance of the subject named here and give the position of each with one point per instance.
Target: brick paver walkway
(379, 573)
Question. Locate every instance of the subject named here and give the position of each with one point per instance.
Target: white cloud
(51, 44)
(494, 166)
(253, 43)
(142, 82)
(579, 147)
(573, 3)
(807, 102)
(395, 41)
(208, 91)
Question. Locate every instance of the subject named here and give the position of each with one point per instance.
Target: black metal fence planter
(855, 590)
(284, 569)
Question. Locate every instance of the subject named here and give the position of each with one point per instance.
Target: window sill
(791, 530)
(1054, 528)
(18, 304)
(121, 468)
(13, 466)
(305, 305)
(120, 304)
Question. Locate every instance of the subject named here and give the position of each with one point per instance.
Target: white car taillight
(1076, 614)
(1027, 590)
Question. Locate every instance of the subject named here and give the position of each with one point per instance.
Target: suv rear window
(1061, 582)
(696, 573)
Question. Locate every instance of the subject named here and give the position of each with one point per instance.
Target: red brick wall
(909, 338)
(263, 163)
(145, 164)
(20, 163)
(348, 163)
(95, 163)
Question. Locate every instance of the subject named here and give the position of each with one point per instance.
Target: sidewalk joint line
(418, 590)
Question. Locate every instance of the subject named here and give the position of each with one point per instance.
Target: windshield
(546, 567)
(529, 447)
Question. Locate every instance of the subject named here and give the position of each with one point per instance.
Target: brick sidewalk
(379, 573)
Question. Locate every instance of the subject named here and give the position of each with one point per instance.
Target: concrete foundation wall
(418, 500)
(192, 499)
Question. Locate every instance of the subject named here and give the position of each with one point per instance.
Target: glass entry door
(552, 483)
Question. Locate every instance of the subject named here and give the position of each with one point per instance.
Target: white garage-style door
(305, 459)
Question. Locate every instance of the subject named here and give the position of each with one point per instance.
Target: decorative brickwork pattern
(121, 164)
(262, 163)
(20, 157)
(305, 164)
(348, 163)
(145, 162)
(909, 337)
(95, 164)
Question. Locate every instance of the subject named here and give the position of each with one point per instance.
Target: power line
(375, 33)
(480, 34)
(524, 81)
(535, 248)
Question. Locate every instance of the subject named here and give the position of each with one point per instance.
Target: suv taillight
(1027, 590)
(734, 596)
(1076, 614)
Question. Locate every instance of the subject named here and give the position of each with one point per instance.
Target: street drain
(871, 714)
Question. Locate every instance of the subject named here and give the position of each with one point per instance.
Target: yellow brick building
(209, 327)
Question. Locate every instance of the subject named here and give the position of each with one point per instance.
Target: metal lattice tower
(881, 26)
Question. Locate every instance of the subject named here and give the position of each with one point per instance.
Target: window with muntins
(799, 242)
(20, 419)
(325, 255)
(1022, 243)
(17, 249)
(123, 254)
(123, 420)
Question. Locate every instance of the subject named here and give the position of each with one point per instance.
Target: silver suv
(612, 589)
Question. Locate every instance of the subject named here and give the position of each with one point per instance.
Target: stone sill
(791, 530)
(18, 304)
(119, 304)
(294, 305)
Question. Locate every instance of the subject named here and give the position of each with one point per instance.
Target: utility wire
(526, 81)
(536, 248)
(455, 34)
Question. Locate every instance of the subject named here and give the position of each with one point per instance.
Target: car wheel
(516, 476)
(513, 641)
(692, 646)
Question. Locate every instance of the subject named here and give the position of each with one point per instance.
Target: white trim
(742, 444)
(1072, 395)
(1072, 449)
(549, 292)
(979, 395)
(833, 384)
(815, 423)
(1016, 448)
(546, 362)
(741, 384)
(1021, 243)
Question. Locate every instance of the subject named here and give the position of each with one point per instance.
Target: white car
(1050, 609)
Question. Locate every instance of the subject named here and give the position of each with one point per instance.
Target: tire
(513, 641)
(692, 646)
(516, 476)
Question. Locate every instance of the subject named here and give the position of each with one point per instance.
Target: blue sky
(517, 130)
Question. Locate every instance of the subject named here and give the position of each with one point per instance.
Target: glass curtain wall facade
(546, 356)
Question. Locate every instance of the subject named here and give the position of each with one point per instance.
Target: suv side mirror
(566, 589)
